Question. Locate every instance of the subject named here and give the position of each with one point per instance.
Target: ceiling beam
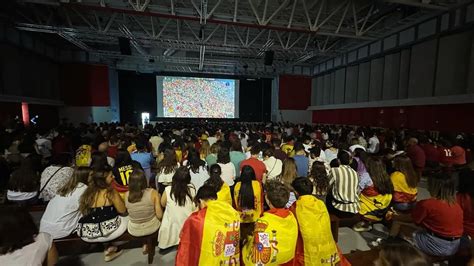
(318, 29)
(417, 4)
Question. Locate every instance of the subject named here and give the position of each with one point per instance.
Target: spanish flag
(373, 205)
(316, 245)
(224, 194)
(274, 239)
(210, 237)
(250, 216)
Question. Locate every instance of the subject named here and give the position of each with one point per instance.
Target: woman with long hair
(144, 207)
(197, 169)
(375, 199)
(221, 188)
(205, 149)
(288, 175)
(320, 179)
(405, 181)
(101, 207)
(166, 169)
(62, 212)
(248, 196)
(440, 217)
(211, 158)
(177, 200)
(288, 172)
(227, 167)
(24, 184)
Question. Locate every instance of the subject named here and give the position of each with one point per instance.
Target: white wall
(296, 116)
(86, 114)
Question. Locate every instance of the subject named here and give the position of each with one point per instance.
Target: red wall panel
(294, 92)
(447, 118)
(85, 85)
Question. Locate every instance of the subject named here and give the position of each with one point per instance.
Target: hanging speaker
(268, 59)
(124, 44)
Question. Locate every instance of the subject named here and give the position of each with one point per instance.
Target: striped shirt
(345, 181)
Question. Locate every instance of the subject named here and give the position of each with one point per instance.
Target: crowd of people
(235, 193)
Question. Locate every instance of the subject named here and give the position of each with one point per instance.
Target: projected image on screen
(198, 97)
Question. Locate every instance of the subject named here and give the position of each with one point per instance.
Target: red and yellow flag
(316, 245)
(210, 237)
(224, 194)
(250, 216)
(374, 206)
(274, 239)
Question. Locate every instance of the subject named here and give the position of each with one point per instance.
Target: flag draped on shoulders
(316, 245)
(250, 216)
(210, 237)
(224, 194)
(373, 205)
(274, 239)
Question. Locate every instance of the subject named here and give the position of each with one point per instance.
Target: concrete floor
(349, 240)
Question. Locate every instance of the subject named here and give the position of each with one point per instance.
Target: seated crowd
(234, 193)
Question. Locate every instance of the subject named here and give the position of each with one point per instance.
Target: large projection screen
(191, 97)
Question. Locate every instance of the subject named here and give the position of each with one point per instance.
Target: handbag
(98, 229)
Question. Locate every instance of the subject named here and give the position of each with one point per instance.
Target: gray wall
(437, 66)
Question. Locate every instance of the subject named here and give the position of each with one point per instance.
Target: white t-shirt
(198, 179)
(30, 255)
(211, 140)
(156, 142)
(44, 147)
(18, 195)
(274, 167)
(62, 214)
(228, 173)
(330, 155)
(374, 144)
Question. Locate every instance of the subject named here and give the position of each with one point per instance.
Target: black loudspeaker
(124, 44)
(268, 60)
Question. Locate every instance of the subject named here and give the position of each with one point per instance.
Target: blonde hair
(288, 172)
(205, 149)
(81, 175)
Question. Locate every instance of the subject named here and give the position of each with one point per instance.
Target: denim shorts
(435, 246)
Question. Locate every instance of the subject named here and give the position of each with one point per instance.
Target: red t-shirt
(257, 166)
(431, 153)
(445, 156)
(464, 200)
(459, 155)
(417, 157)
(112, 151)
(439, 217)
